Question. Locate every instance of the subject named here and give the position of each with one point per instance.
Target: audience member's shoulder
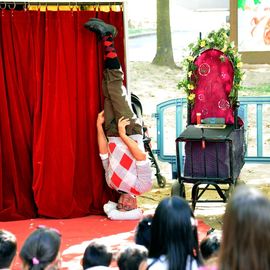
(100, 267)
(157, 263)
(211, 267)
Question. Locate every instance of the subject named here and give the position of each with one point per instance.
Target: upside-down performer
(126, 164)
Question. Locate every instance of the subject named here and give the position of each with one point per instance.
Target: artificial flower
(202, 43)
(190, 86)
(239, 64)
(189, 74)
(191, 96)
(190, 58)
(224, 49)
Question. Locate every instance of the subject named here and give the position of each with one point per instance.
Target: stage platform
(78, 232)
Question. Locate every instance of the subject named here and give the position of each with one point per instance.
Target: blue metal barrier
(251, 111)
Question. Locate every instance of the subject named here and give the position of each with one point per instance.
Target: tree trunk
(164, 53)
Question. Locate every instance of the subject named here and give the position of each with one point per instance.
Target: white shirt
(162, 264)
(101, 267)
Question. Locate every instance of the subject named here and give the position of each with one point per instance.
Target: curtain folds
(50, 95)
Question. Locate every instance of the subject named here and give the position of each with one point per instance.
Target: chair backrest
(214, 81)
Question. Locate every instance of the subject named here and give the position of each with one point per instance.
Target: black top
(208, 134)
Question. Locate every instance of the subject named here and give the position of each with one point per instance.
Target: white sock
(109, 206)
(125, 215)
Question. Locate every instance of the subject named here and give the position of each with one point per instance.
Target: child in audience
(8, 248)
(96, 256)
(131, 257)
(40, 250)
(246, 232)
(143, 232)
(209, 248)
(174, 240)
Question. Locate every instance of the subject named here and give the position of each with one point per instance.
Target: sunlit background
(188, 20)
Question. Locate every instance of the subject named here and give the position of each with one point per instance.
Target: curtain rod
(49, 2)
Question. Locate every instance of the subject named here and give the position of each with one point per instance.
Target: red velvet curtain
(50, 95)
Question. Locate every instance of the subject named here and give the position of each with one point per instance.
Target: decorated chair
(213, 141)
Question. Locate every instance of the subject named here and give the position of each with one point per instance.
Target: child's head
(143, 232)
(174, 220)
(41, 249)
(96, 254)
(210, 245)
(131, 257)
(8, 247)
(246, 230)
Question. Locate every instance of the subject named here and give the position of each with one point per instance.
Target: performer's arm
(133, 147)
(102, 140)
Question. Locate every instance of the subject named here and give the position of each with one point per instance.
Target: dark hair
(96, 254)
(173, 234)
(246, 231)
(143, 232)
(8, 248)
(209, 246)
(131, 257)
(41, 248)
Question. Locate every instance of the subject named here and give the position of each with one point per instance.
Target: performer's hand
(122, 123)
(100, 118)
(132, 145)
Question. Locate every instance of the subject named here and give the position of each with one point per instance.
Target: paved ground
(252, 174)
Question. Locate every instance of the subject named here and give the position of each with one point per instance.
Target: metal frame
(197, 189)
(64, 2)
(180, 106)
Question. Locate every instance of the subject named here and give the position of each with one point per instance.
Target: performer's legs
(121, 100)
(113, 88)
(110, 124)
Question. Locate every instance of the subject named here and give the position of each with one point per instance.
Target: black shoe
(101, 28)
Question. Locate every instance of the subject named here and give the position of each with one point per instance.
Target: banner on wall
(253, 25)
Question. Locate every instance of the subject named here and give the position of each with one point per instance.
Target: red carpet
(78, 232)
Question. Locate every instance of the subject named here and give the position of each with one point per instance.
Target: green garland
(217, 40)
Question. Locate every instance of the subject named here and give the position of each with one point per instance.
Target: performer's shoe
(101, 28)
